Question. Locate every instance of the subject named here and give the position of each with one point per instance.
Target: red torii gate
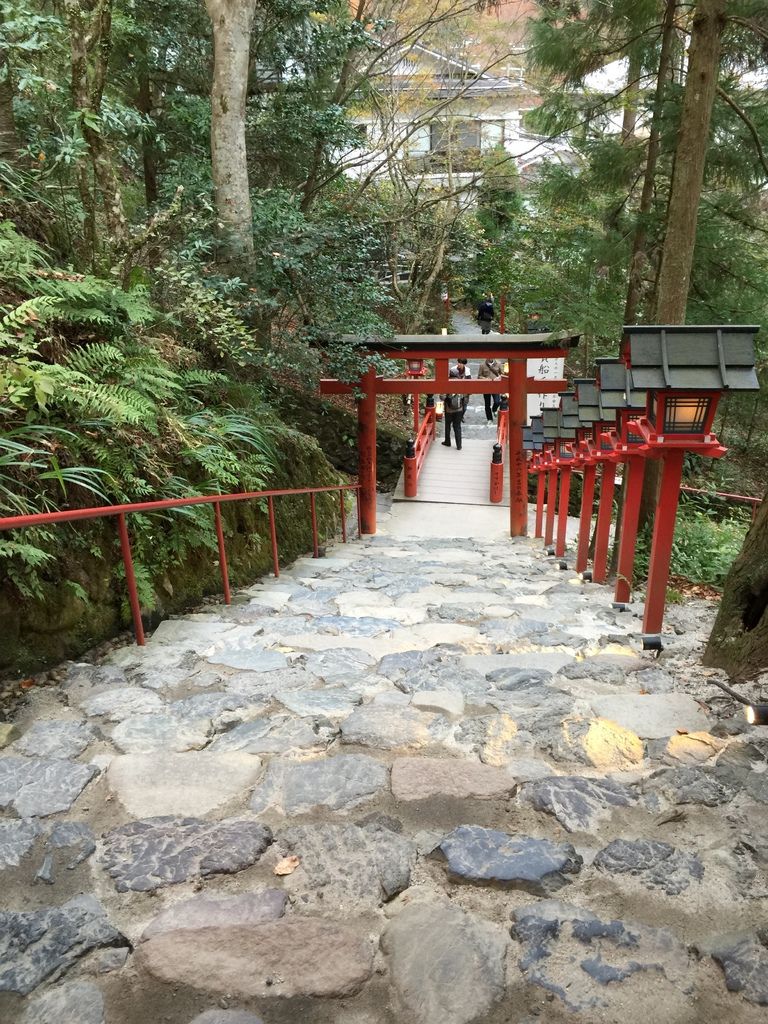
(515, 349)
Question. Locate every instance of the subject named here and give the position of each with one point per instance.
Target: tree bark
(90, 46)
(232, 21)
(639, 257)
(631, 95)
(148, 151)
(739, 640)
(9, 139)
(690, 157)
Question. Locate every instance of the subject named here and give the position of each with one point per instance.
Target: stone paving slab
(334, 800)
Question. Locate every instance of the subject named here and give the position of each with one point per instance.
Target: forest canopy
(200, 200)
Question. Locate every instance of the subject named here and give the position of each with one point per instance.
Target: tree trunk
(90, 47)
(148, 151)
(631, 94)
(638, 259)
(232, 22)
(739, 640)
(690, 157)
(9, 139)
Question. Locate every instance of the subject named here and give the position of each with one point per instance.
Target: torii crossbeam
(515, 349)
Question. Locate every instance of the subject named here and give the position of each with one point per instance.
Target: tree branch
(748, 122)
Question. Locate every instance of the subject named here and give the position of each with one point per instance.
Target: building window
(420, 141)
(492, 134)
(459, 135)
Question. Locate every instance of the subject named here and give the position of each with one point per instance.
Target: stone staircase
(419, 781)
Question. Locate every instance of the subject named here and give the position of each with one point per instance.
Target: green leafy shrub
(705, 545)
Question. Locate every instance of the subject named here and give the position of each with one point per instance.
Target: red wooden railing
(739, 499)
(417, 452)
(496, 489)
(121, 511)
(502, 428)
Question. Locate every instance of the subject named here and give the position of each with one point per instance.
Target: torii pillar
(366, 447)
(518, 465)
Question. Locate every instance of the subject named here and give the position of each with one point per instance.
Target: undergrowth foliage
(705, 545)
(101, 402)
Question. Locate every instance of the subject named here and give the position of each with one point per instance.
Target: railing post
(541, 484)
(661, 544)
(604, 516)
(562, 510)
(585, 520)
(273, 535)
(343, 511)
(130, 579)
(313, 515)
(630, 517)
(549, 526)
(497, 475)
(410, 470)
(222, 553)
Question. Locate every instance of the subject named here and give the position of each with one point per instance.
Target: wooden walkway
(456, 477)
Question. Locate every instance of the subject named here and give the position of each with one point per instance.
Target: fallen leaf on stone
(26, 684)
(681, 732)
(287, 865)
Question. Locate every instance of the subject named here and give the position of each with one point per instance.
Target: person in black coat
(455, 406)
(485, 313)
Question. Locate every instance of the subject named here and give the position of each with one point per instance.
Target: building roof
(615, 388)
(587, 399)
(707, 358)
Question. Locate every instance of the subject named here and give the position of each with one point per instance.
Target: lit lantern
(684, 370)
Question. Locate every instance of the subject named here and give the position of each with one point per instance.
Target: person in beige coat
(490, 370)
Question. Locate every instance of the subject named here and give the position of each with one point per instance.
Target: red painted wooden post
(562, 510)
(410, 476)
(273, 535)
(313, 516)
(130, 579)
(366, 442)
(661, 545)
(496, 490)
(416, 399)
(549, 525)
(343, 511)
(635, 470)
(503, 313)
(604, 516)
(585, 520)
(222, 554)
(541, 483)
(518, 467)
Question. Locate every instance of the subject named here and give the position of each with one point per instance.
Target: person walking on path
(485, 313)
(490, 370)
(455, 405)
